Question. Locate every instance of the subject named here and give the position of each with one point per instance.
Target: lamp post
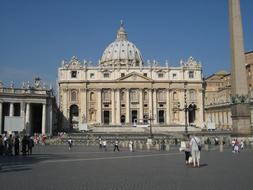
(185, 112)
(150, 125)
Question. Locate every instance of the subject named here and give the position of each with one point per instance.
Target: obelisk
(239, 87)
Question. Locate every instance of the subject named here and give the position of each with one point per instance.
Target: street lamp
(185, 109)
(150, 124)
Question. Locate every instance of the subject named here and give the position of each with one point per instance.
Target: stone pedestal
(241, 118)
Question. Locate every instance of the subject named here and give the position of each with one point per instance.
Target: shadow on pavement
(22, 163)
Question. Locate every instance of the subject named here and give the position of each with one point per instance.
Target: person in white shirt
(104, 145)
(195, 143)
(70, 142)
(130, 144)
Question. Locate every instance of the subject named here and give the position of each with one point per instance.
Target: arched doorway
(74, 116)
(192, 113)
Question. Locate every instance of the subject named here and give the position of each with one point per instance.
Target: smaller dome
(121, 52)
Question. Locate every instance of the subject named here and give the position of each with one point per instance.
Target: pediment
(134, 77)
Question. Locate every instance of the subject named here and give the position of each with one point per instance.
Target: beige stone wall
(93, 80)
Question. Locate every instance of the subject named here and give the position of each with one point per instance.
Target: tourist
(242, 145)
(10, 146)
(187, 150)
(104, 145)
(233, 145)
(130, 144)
(5, 144)
(70, 142)
(16, 145)
(30, 145)
(100, 143)
(24, 145)
(1, 145)
(195, 150)
(236, 146)
(163, 145)
(44, 139)
(116, 145)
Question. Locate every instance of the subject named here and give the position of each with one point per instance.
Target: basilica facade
(122, 90)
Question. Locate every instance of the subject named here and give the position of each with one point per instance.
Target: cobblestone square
(55, 167)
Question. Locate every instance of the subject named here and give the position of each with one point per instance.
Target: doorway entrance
(106, 117)
(134, 115)
(161, 116)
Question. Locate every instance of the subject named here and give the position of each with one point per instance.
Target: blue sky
(35, 35)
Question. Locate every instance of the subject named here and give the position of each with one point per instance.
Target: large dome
(121, 52)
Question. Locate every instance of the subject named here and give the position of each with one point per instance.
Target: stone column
(44, 119)
(127, 107)
(84, 108)
(99, 106)
(22, 109)
(1, 112)
(168, 106)
(50, 119)
(154, 106)
(150, 103)
(118, 107)
(239, 85)
(27, 119)
(200, 111)
(11, 109)
(113, 106)
(141, 105)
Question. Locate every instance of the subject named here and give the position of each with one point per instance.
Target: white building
(123, 89)
(34, 104)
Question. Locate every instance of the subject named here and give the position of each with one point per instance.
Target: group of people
(103, 145)
(192, 151)
(10, 145)
(237, 145)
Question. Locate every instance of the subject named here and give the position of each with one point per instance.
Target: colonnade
(25, 111)
(221, 118)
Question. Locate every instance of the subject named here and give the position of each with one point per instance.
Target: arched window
(92, 96)
(73, 96)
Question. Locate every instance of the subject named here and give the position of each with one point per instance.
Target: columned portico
(44, 119)
(131, 89)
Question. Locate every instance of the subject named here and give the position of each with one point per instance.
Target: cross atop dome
(121, 34)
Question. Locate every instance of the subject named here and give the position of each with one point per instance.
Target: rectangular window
(174, 75)
(73, 74)
(92, 75)
(122, 74)
(106, 75)
(191, 74)
(160, 75)
(145, 74)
